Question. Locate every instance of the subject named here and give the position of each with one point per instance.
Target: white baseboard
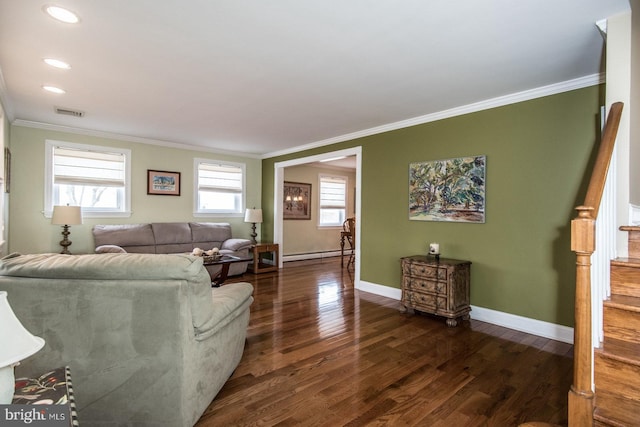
(385, 291)
(511, 321)
(314, 255)
(523, 324)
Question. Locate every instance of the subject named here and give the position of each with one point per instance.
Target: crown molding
(129, 138)
(500, 101)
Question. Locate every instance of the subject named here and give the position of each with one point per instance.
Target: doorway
(278, 223)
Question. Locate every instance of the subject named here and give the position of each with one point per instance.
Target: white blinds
(83, 167)
(333, 192)
(219, 178)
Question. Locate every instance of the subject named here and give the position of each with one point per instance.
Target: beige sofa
(171, 238)
(148, 341)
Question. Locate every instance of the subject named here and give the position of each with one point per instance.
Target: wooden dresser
(436, 286)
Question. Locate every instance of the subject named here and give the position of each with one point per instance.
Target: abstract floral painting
(448, 190)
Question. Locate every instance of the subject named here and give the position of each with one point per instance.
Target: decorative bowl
(211, 258)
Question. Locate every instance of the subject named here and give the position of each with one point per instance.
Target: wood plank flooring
(320, 353)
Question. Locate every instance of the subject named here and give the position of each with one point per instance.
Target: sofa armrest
(236, 244)
(110, 249)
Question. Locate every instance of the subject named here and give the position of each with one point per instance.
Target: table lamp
(253, 216)
(66, 216)
(16, 344)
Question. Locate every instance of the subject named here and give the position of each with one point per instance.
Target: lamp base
(7, 385)
(65, 242)
(253, 233)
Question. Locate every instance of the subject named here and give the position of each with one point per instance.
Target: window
(333, 200)
(219, 187)
(94, 177)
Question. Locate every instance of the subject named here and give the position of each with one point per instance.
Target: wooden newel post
(581, 393)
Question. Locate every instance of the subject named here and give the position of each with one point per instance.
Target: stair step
(605, 419)
(628, 352)
(625, 277)
(624, 302)
(626, 262)
(617, 375)
(613, 411)
(633, 240)
(622, 318)
(617, 391)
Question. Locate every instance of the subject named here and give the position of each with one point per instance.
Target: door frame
(278, 191)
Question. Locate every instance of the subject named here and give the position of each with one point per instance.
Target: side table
(258, 265)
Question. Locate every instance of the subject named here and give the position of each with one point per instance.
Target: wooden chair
(348, 233)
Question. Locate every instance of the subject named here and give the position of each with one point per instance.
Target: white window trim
(48, 178)
(346, 199)
(200, 214)
(3, 198)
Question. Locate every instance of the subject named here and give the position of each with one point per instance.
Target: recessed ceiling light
(53, 89)
(61, 14)
(57, 63)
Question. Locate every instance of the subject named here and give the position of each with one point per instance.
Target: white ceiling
(258, 77)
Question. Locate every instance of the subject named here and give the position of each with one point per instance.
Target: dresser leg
(406, 310)
(452, 323)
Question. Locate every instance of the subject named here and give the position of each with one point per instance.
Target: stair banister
(583, 244)
(599, 175)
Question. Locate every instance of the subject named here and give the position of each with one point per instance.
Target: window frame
(49, 190)
(346, 199)
(197, 212)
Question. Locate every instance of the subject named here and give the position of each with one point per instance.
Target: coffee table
(224, 261)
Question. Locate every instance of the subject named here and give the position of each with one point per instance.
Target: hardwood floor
(320, 353)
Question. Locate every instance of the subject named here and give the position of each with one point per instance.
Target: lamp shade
(17, 342)
(253, 215)
(66, 215)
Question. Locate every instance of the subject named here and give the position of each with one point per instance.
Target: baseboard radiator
(311, 255)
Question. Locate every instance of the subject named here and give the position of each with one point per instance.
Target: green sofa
(149, 342)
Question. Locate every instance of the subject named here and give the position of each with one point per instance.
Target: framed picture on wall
(296, 200)
(163, 183)
(448, 190)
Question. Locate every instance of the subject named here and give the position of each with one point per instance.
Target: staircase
(617, 361)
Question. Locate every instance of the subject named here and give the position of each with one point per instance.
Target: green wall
(31, 232)
(538, 156)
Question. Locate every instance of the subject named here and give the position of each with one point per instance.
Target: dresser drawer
(426, 271)
(422, 285)
(427, 302)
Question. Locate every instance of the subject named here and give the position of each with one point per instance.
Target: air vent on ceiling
(69, 112)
